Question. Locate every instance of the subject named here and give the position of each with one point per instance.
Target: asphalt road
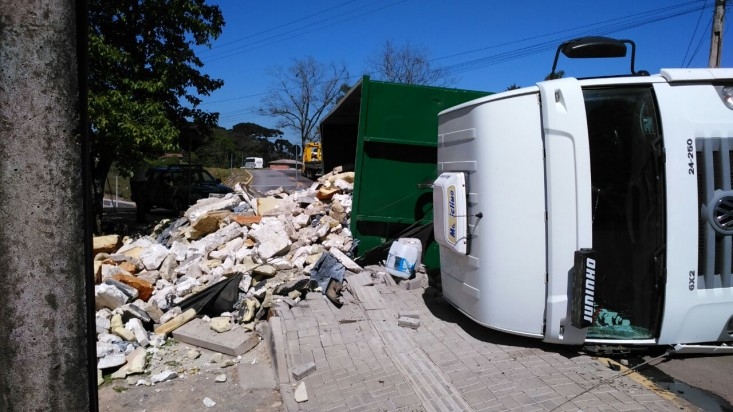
(706, 381)
(267, 179)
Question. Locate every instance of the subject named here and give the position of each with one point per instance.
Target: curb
(276, 351)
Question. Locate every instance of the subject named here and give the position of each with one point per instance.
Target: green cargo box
(388, 133)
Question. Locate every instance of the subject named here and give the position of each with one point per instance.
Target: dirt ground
(249, 385)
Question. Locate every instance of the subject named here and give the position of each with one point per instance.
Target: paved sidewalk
(366, 362)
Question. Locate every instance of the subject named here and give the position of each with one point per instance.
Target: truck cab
(592, 211)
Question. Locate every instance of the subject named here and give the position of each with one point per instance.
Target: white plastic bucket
(404, 257)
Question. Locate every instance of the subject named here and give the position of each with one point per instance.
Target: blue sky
(486, 45)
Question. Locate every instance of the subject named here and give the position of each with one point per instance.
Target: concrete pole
(716, 34)
(44, 252)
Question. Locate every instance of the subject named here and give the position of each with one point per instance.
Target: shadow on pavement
(444, 311)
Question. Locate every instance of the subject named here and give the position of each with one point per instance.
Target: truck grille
(715, 250)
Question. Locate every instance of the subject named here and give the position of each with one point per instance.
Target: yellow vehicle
(312, 160)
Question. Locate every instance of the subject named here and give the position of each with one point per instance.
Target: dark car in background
(177, 187)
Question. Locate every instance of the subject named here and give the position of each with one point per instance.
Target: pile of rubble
(224, 263)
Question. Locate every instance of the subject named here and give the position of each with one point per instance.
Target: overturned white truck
(593, 211)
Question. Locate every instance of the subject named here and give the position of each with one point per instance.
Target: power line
(599, 28)
(299, 31)
(618, 24)
(694, 34)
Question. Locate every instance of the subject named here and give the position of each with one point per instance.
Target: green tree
(303, 94)
(145, 79)
(407, 64)
(513, 86)
(251, 139)
(218, 150)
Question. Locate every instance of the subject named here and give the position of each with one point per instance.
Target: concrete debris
(408, 322)
(301, 371)
(278, 248)
(301, 394)
(163, 376)
(208, 402)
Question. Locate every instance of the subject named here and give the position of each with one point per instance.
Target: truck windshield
(627, 177)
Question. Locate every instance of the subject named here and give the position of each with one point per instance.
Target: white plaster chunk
(108, 296)
(153, 256)
(135, 326)
(164, 376)
(228, 249)
(281, 263)
(301, 220)
(301, 394)
(179, 249)
(346, 261)
(271, 237)
(111, 361)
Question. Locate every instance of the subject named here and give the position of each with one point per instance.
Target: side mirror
(597, 47)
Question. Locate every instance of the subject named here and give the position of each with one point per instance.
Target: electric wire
(694, 34)
(599, 28)
(298, 31)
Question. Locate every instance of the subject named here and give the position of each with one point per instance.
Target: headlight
(728, 96)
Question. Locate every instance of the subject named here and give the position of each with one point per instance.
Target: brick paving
(366, 362)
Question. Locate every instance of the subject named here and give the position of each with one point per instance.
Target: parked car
(177, 187)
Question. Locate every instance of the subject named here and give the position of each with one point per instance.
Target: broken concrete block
(102, 325)
(153, 256)
(206, 223)
(163, 376)
(301, 371)
(301, 394)
(227, 249)
(108, 296)
(408, 322)
(127, 290)
(136, 327)
(207, 205)
(264, 271)
(349, 264)
(143, 287)
(111, 361)
(176, 322)
(105, 244)
(247, 221)
(221, 378)
(123, 333)
(234, 342)
(420, 281)
(248, 309)
(135, 363)
(271, 237)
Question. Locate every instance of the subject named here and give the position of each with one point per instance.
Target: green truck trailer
(387, 132)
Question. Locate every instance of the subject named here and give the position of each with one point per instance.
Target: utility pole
(716, 35)
(47, 325)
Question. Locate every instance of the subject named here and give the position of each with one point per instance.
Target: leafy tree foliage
(513, 86)
(144, 78)
(303, 93)
(407, 64)
(228, 147)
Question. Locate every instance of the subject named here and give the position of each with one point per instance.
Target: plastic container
(404, 257)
